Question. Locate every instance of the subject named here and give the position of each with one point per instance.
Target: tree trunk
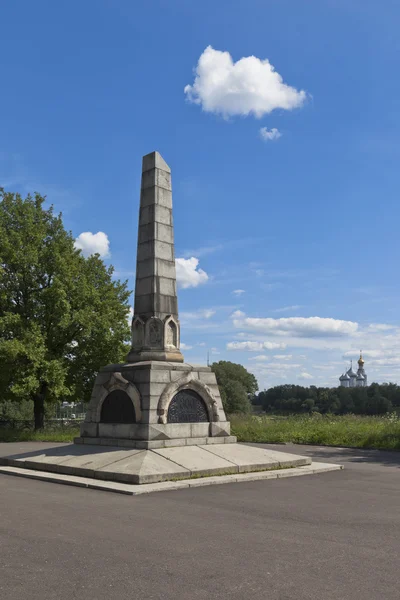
(38, 406)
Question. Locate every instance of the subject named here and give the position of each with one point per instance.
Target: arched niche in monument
(187, 406)
(137, 333)
(117, 407)
(171, 333)
(154, 330)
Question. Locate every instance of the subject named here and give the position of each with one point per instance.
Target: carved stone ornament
(155, 333)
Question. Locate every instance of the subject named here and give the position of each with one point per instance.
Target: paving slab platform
(164, 486)
(133, 466)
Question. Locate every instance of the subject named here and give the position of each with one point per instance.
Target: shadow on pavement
(332, 454)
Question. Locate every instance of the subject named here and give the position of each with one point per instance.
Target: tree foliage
(373, 400)
(61, 315)
(237, 386)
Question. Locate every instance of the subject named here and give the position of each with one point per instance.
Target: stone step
(134, 490)
(133, 466)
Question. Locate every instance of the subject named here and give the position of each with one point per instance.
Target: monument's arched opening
(117, 408)
(187, 406)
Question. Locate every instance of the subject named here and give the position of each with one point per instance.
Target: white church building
(351, 379)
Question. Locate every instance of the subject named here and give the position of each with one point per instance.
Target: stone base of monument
(115, 438)
(151, 466)
(150, 405)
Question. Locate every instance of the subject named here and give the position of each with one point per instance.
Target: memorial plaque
(187, 407)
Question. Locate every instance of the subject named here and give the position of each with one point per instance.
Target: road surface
(334, 536)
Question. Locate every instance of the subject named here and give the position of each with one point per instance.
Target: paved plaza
(330, 537)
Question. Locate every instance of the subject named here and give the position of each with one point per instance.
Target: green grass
(381, 432)
(52, 435)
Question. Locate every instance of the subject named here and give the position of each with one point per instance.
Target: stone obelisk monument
(155, 399)
(162, 418)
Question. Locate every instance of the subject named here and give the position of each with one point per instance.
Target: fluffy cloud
(305, 375)
(254, 346)
(296, 326)
(273, 365)
(249, 86)
(203, 313)
(376, 327)
(207, 313)
(269, 135)
(188, 274)
(287, 366)
(93, 243)
(381, 351)
(185, 346)
(287, 308)
(238, 292)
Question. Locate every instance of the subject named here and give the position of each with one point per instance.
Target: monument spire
(155, 324)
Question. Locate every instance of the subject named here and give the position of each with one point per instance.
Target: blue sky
(303, 220)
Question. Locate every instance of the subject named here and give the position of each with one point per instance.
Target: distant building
(352, 379)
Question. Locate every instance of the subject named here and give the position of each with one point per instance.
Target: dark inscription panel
(117, 408)
(187, 407)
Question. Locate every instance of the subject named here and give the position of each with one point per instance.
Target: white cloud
(203, 313)
(381, 362)
(274, 365)
(380, 327)
(238, 292)
(287, 308)
(187, 273)
(356, 353)
(269, 135)
(380, 345)
(254, 346)
(296, 326)
(249, 86)
(185, 346)
(93, 243)
(203, 250)
(305, 375)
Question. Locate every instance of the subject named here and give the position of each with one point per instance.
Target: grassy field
(381, 432)
(328, 430)
(52, 435)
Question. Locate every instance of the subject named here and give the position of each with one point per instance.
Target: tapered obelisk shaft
(155, 325)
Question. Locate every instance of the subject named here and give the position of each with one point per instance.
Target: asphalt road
(334, 536)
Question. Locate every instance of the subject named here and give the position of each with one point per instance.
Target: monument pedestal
(155, 404)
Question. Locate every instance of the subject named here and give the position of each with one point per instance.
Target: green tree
(375, 399)
(237, 386)
(234, 398)
(61, 315)
(308, 405)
